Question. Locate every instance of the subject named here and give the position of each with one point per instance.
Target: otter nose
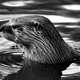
(1, 28)
(5, 27)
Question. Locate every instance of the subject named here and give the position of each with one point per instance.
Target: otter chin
(40, 43)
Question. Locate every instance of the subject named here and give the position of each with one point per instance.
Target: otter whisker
(41, 45)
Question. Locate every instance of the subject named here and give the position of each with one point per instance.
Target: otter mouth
(10, 35)
(20, 45)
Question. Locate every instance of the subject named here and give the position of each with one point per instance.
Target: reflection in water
(36, 71)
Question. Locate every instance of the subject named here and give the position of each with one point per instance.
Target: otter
(42, 46)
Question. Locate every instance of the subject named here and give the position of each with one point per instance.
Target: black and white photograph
(39, 40)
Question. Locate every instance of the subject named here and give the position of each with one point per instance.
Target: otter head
(37, 37)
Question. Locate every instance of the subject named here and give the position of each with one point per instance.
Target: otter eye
(18, 27)
(15, 26)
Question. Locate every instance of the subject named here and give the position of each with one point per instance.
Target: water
(66, 20)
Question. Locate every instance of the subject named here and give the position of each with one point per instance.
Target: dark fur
(40, 32)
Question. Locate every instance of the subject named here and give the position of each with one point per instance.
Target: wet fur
(40, 39)
(42, 44)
